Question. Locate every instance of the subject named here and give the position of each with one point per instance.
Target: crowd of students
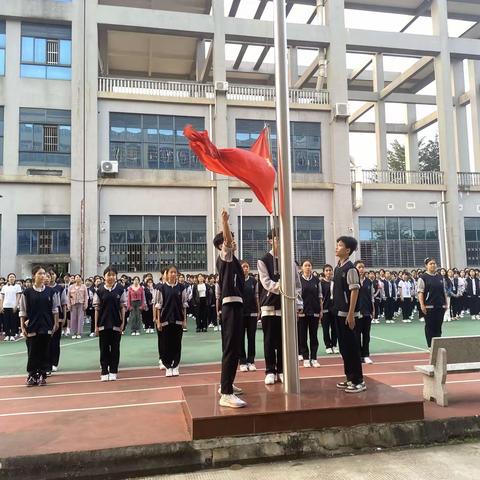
(42, 309)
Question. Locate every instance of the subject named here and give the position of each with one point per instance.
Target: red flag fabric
(254, 166)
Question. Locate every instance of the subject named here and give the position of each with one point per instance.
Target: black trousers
(329, 330)
(433, 324)
(389, 308)
(308, 326)
(109, 341)
(455, 306)
(272, 344)
(10, 319)
(232, 338)
(201, 314)
(212, 315)
(172, 339)
(249, 331)
(161, 344)
(147, 317)
(55, 348)
(347, 341)
(362, 331)
(407, 308)
(38, 348)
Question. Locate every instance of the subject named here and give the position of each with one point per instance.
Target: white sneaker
(306, 363)
(133, 334)
(74, 337)
(6, 339)
(169, 372)
(236, 390)
(105, 378)
(270, 379)
(92, 334)
(315, 364)
(244, 368)
(336, 350)
(211, 325)
(215, 329)
(67, 332)
(368, 360)
(329, 351)
(300, 358)
(175, 372)
(112, 376)
(280, 377)
(252, 367)
(161, 366)
(54, 368)
(79, 336)
(231, 401)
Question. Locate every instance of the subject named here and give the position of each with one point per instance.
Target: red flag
(254, 166)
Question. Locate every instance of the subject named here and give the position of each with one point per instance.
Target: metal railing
(473, 253)
(156, 88)
(469, 179)
(397, 177)
(248, 93)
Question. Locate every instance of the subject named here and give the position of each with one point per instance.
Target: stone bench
(448, 356)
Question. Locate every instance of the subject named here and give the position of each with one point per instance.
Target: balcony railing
(159, 88)
(397, 177)
(469, 179)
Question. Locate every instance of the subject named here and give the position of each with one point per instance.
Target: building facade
(83, 82)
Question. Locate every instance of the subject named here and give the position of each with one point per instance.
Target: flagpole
(287, 273)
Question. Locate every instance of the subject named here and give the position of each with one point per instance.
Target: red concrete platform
(320, 405)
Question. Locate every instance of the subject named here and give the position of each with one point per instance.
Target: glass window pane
(64, 138)
(431, 228)
(27, 49)
(38, 138)
(133, 155)
(165, 126)
(300, 161)
(118, 237)
(117, 133)
(392, 228)
(2, 61)
(314, 162)
(26, 137)
(33, 71)
(151, 152)
(378, 228)
(117, 152)
(40, 50)
(418, 227)
(405, 229)
(166, 157)
(167, 229)
(2, 40)
(365, 225)
(183, 158)
(65, 52)
(59, 73)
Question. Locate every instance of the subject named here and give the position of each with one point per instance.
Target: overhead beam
(425, 122)
(408, 98)
(369, 127)
(308, 73)
(366, 107)
(234, 8)
(207, 66)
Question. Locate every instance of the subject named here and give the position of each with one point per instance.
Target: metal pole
(287, 278)
(241, 229)
(445, 235)
(441, 236)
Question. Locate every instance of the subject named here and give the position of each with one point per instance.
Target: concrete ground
(451, 462)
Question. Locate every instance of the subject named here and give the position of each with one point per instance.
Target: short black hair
(218, 240)
(349, 242)
(428, 260)
(109, 269)
(358, 262)
(327, 265)
(35, 269)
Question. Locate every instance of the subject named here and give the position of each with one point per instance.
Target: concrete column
(11, 97)
(342, 218)
(461, 128)
(220, 136)
(446, 125)
(474, 77)
(380, 115)
(199, 59)
(103, 51)
(292, 66)
(84, 170)
(411, 146)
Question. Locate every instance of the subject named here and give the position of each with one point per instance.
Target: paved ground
(452, 462)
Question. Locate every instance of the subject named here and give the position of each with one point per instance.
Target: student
(472, 294)
(231, 283)
(39, 306)
(62, 313)
(270, 306)
(200, 292)
(390, 289)
(433, 300)
(212, 304)
(310, 316)
(171, 317)
(135, 305)
(10, 298)
(67, 279)
(328, 318)
(77, 305)
(346, 286)
(110, 302)
(367, 305)
(147, 313)
(251, 308)
(456, 298)
(406, 294)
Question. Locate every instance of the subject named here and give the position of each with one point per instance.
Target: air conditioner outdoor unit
(411, 206)
(341, 110)
(221, 86)
(109, 166)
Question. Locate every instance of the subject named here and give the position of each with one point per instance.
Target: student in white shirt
(406, 296)
(9, 301)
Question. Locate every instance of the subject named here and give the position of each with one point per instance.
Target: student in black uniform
(251, 308)
(433, 300)
(367, 306)
(39, 306)
(390, 292)
(310, 316)
(110, 302)
(328, 318)
(230, 292)
(346, 286)
(62, 311)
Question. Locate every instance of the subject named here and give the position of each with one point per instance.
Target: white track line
(399, 343)
(448, 383)
(88, 409)
(23, 352)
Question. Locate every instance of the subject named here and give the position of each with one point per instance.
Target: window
(305, 140)
(152, 141)
(148, 243)
(46, 51)
(309, 239)
(43, 234)
(1, 135)
(45, 137)
(398, 241)
(2, 48)
(472, 241)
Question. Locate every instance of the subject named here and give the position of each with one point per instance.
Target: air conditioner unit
(341, 110)
(109, 166)
(221, 86)
(411, 206)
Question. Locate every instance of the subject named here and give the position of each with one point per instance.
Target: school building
(94, 95)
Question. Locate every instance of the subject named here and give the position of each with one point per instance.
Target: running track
(76, 411)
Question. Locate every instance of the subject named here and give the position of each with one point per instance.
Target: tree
(396, 157)
(429, 155)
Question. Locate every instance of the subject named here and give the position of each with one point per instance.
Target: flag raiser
(253, 167)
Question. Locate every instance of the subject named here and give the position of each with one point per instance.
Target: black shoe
(42, 380)
(31, 381)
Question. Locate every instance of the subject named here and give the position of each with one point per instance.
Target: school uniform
(328, 318)
(433, 289)
(39, 307)
(249, 316)
(10, 317)
(455, 303)
(364, 323)
(171, 300)
(110, 304)
(405, 288)
(147, 313)
(309, 319)
(200, 303)
(390, 289)
(211, 305)
(55, 340)
(472, 294)
(230, 293)
(345, 279)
